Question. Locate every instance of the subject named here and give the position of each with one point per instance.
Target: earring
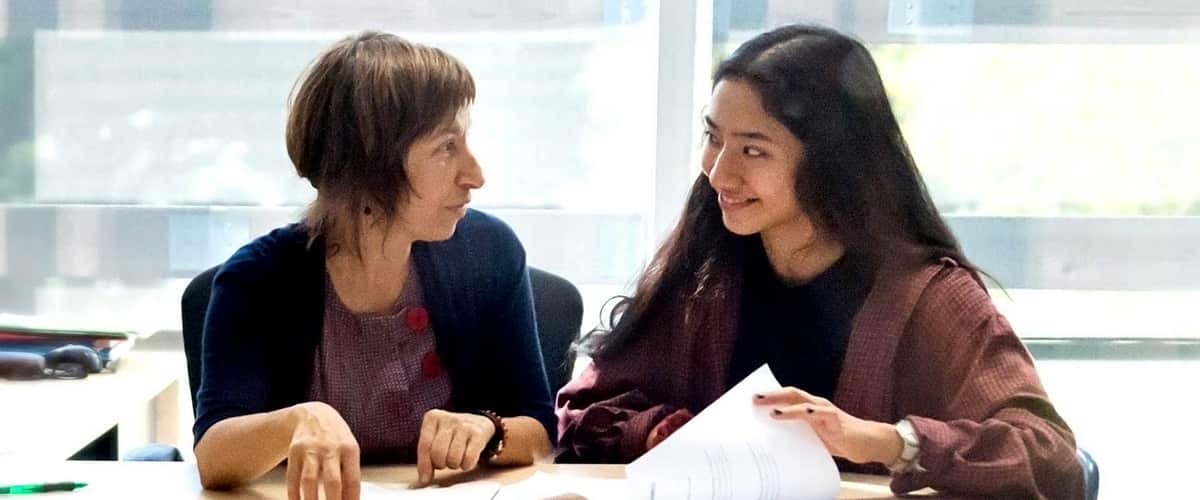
(367, 210)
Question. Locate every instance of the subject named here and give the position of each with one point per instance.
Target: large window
(141, 141)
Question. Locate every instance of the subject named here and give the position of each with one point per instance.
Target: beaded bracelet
(495, 446)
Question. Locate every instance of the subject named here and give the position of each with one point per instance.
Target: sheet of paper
(734, 450)
(544, 485)
(474, 490)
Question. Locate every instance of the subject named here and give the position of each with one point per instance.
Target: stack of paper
(540, 486)
(734, 450)
(543, 485)
(481, 490)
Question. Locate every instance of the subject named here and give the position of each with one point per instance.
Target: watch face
(911, 442)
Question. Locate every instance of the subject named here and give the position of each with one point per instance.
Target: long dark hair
(858, 181)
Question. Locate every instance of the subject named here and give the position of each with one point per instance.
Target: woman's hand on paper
(844, 435)
(451, 441)
(323, 453)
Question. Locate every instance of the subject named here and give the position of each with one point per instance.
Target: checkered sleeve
(602, 420)
(968, 385)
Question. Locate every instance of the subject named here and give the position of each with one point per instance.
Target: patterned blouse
(380, 371)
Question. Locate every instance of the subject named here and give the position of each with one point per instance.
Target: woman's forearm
(526, 442)
(238, 450)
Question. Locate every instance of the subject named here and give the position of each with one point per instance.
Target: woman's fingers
(825, 420)
(440, 447)
(323, 452)
(310, 470)
(676, 420)
(475, 445)
(806, 411)
(331, 477)
(424, 450)
(309, 478)
(457, 448)
(788, 396)
(844, 435)
(351, 473)
(295, 465)
(450, 440)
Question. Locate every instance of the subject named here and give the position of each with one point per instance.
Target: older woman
(392, 323)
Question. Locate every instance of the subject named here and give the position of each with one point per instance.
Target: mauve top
(380, 371)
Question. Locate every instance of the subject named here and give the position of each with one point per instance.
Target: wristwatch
(495, 446)
(912, 448)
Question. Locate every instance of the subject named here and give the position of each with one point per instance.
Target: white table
(51, 419)
(179, 480)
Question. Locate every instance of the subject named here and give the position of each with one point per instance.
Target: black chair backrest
(557, 304)
(559, 310)
(193, 307)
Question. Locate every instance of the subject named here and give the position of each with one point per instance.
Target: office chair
(1091, 474)
(194, 306)
(558, 307)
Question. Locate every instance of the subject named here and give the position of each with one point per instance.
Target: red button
(417, 319)
(431, 365)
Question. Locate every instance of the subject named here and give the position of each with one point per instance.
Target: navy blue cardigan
(265, 318)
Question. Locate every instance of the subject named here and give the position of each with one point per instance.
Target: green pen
(24, 489)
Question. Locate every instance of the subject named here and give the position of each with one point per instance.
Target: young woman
(391, 324)
(809, 243)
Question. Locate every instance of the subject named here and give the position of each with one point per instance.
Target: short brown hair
(355, 112)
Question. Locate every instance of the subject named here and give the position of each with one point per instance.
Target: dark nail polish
(759, 396)
(810, 410)
(777, 411)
